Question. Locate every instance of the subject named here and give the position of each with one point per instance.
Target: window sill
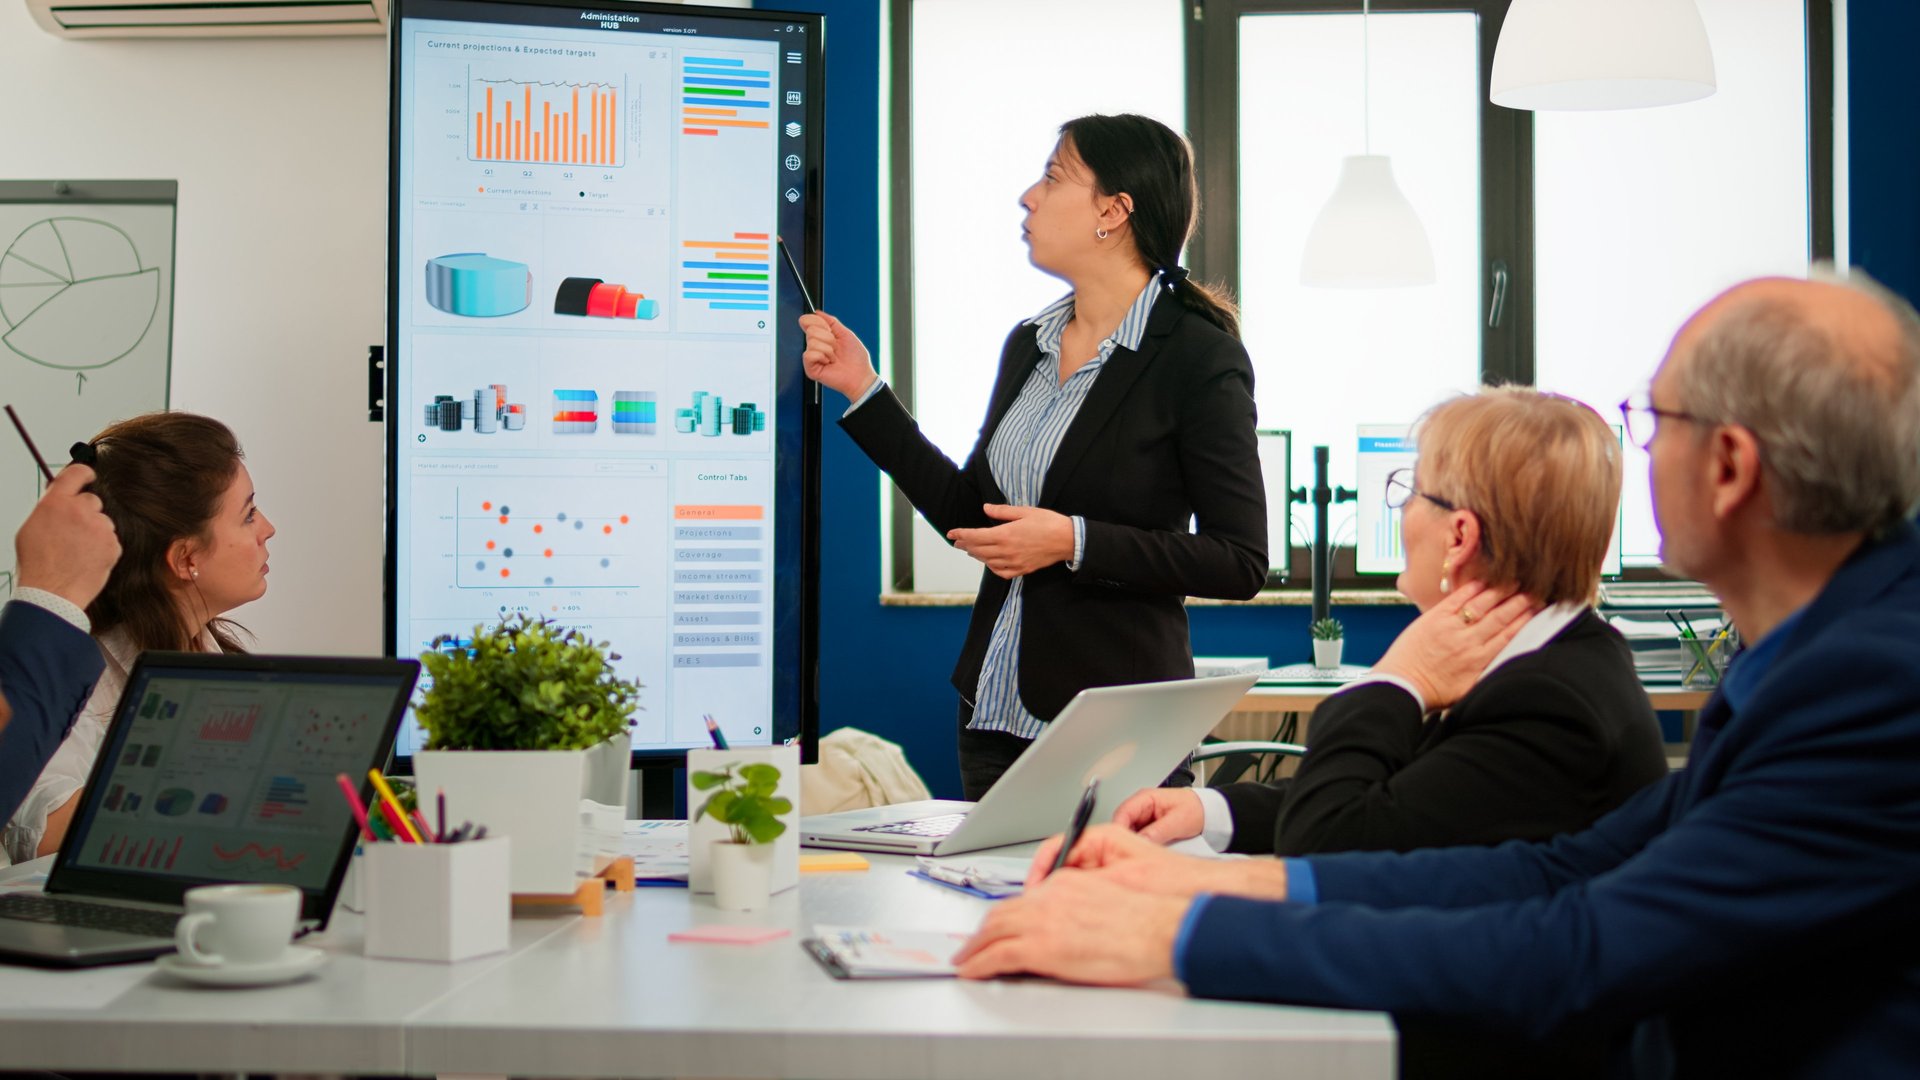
(1268, 598)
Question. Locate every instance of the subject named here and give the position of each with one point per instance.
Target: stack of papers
(658, 847)
(852, 952)
(988, 876)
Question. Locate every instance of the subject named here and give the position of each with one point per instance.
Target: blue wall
(885, 669)
(1883, 99)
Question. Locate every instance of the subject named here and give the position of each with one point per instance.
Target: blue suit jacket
(47, 669)
(1757, 914)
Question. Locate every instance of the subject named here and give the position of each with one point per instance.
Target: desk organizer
(440, 902)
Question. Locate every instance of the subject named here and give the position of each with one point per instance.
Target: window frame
(1212, 56)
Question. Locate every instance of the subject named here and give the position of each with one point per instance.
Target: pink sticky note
(731, 935)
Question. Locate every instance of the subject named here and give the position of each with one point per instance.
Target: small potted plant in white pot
(526, 724)
(743, 800)
(1329, 637)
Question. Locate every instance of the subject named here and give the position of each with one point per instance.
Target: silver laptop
(1127, 737)
(214, 769)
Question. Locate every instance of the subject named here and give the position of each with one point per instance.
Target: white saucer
(298, 960)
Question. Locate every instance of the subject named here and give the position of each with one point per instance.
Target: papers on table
(988, 876)
(852, 952)
(658, 848)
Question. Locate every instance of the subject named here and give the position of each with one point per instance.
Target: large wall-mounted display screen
(596, 412)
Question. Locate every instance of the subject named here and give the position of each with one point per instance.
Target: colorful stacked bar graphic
(722, 94)
(579, 123)
(286, 797)
(576, 412)
(729, 275)
(633, 412)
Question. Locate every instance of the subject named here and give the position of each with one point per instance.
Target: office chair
(1239, 756)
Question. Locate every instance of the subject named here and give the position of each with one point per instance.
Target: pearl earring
(1446, 582)
(195, 571)
(1101, 233)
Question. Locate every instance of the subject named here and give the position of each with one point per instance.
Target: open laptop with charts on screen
(214, 769)
(1127, 737)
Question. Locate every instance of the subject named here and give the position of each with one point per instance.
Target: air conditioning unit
(209, 18)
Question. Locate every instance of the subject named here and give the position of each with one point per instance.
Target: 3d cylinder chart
(596, 298)
(478, 285)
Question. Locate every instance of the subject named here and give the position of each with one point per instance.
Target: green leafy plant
(745, 802)
(523, 684)
(1327, 630)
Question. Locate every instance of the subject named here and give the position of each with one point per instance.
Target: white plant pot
(1326, 654)
(541, 798)
(742, 875)
(607, 767)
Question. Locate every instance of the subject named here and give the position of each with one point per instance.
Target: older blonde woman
(1510, 507)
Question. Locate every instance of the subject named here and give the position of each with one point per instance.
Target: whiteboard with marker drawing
(86, 317)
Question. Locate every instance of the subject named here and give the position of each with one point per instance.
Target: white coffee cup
(237, 924)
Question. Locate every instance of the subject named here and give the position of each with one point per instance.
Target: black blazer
(1544, 745)
(1164, 435)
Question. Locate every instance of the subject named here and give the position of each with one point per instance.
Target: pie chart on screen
(73, 294)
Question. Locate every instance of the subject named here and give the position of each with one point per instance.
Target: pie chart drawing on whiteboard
(73, 294)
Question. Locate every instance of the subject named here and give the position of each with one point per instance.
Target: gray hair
(1838, 425)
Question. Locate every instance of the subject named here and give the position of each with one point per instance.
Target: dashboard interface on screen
(596, 411)
(1384, 448)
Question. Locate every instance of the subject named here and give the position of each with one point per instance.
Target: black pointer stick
(787, 257)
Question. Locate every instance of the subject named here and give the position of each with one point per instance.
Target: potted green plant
(1329, 637)
(743, 798)
(527, 730)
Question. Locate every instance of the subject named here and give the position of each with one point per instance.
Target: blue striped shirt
(1021, 452)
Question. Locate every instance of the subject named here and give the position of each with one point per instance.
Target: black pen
(787, 257)
(1081, 815)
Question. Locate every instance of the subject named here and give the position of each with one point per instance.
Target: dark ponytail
(1153, 166)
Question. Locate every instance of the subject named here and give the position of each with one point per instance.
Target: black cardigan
(1165, 435)
(1545, 744)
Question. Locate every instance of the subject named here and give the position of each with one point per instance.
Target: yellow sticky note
(827, 862)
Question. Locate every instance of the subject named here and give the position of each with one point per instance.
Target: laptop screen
(222, 769)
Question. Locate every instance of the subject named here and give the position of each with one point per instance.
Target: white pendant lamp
(1601, 54)
(1367, 236)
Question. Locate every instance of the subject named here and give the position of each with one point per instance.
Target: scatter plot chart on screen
(331, 738)
(549, 534)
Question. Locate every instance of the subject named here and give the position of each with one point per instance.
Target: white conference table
(609, 996)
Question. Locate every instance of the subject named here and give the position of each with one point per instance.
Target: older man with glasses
(1751, 915)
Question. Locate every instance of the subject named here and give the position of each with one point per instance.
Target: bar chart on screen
(139, 852)
(724, 95)
(549, 123)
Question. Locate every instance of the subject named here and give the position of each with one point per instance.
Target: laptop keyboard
(926, 826)
(79, 913)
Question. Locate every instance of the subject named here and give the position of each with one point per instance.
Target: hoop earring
(1101, 233)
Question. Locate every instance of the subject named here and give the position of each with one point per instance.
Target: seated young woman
(194, 547)
(1512, 501)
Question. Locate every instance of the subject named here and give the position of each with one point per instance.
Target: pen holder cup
(439, 902)
(1703, 661)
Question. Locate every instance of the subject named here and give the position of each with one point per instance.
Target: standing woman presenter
(1119, 414)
